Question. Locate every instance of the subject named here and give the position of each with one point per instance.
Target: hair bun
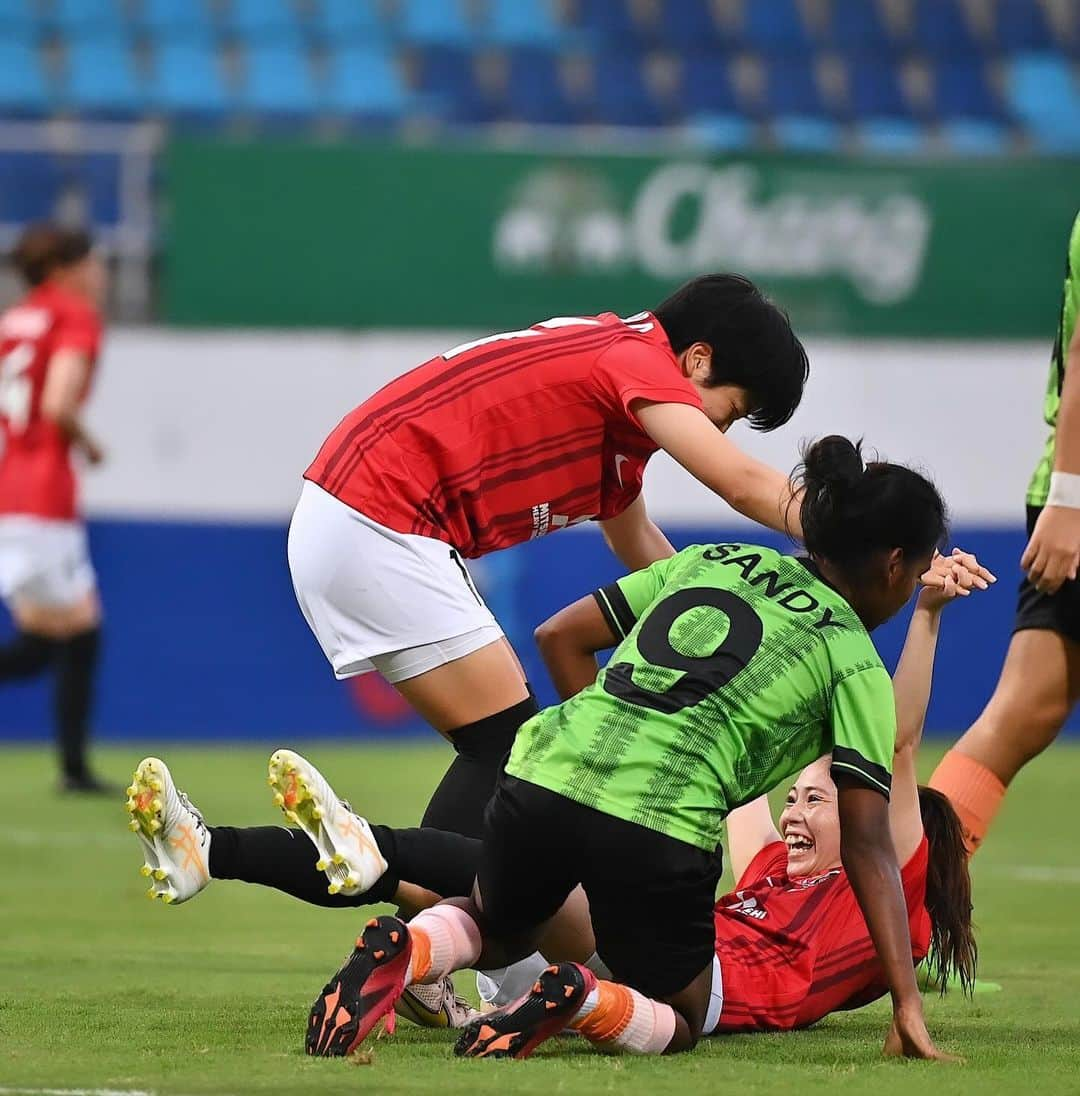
(834, 463)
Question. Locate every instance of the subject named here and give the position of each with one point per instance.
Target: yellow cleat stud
(151, 893)
(132, 790)
(322, 865)
(352, 879)
(334, 888)
(156, 786)
(155, 825)
(161, 874)
(292, 816)
(156, 805)
(279, 800)
(316, 813)
(144, 871)
(133, 824)
(129, 806)
(338, 858)
(167, 898)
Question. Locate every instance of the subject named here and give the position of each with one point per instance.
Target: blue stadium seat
(364, 82)
(975, 138)
(74, 18)
(774, 26)
(1021, 25)
(534, 91)
(857, 26)
(171, 20)
(23, 87)
(874, 90)
(102, 77)
(436, 22)
(688, 25)
(1044, 96)
(256, 21)
(30, 182)
(792, 88)
(188, 81)
(721, 132)
(891, 136)
(941, 28)
(18, 18)
(706, 86)
(805, 133)
(621, 95)
(99, 175)
(961, 90)
(522, 23)
(446, 80)
(279, 80)
(609, 22)
(341, 21)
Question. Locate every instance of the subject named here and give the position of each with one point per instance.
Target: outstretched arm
(634, 538)
(568, 643)
(749, 829)
(754, 489)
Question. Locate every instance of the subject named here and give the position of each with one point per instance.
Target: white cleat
(348, 854)
(173, 836)
(436, 1006)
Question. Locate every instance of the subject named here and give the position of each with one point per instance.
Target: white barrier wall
(221, 426)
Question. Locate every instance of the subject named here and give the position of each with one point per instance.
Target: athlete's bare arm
(634, 538)
(754, 489)
(568, 643)
(867, 853)
(65, 383)
(749, 829)
(1053, 553)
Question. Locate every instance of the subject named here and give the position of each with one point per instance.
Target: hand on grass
(908, 1038)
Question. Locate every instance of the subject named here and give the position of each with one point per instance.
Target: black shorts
(650, 896)
(1058, 612)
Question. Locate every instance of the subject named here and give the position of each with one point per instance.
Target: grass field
(100, 989)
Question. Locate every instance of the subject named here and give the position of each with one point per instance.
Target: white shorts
(381, 600)
(44, 562)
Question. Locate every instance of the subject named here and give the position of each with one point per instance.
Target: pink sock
(444, 938)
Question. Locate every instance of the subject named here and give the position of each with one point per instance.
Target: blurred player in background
(504, 439)
(1040, 681)
(49, 344)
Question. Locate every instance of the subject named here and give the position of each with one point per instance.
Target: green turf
(99, 988)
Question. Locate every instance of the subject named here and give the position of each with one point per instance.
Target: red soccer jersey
(793, 950)
(36, 476)
(509, 437)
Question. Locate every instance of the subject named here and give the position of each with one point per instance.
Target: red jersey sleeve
(77, 327)
(632, 369)
(771, 860)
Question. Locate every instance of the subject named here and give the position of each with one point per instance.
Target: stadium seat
(941, 28)
(961, 90)
(342, 21)
(857, 26)
(75, 18)
(721, 132)
(171, 20)
(364, 82)
(187, 80)
(975, 138)
(706, 86)
(874, 90)
(621, 95)
(609, 22)
(688, 25)
(279, 80)
(773, 26)
(803, 133)
(522, 23)
(1021, 25)
(30, 183)
(18, 18)
(535, 92)
(99, 175)
(102, 78)
(891, 136)
(254, 21)
(446, 80)
(23, 87)
(436, 22)
(793, 98)
(1043, 95)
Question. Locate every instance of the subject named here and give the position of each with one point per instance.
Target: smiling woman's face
(810, 821)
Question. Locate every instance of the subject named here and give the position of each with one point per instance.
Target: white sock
(454, 942)
(505, 985)
(624, 1020)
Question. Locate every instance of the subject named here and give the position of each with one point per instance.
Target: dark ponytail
(44, 248)
(953, 951)
(851, 510)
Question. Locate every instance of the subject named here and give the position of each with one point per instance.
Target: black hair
(851, 510)
(752, 342)
(953, 953)
(43, 248)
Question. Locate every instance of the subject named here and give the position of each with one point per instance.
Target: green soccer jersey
(737, 667)
(1039, 488)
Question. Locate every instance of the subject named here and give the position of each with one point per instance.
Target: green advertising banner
(365, 235)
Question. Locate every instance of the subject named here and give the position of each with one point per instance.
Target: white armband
(1064, 490)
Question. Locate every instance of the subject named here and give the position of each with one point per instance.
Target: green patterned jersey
(1039, 487)
(737, 667)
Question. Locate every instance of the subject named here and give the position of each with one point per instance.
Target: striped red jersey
(792, 950)
(509, 437)
(36, 475)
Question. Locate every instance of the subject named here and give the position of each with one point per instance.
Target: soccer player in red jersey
(507, 438)
(49, 344)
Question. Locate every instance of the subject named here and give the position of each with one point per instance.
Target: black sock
(76, 667)
(459, 801)
(27, 655)
(445, 863)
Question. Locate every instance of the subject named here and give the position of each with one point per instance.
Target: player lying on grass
(624, 787)
(504, 439)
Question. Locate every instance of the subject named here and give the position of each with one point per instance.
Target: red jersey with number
(36, 475)
(792, 950)
(509, 437)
